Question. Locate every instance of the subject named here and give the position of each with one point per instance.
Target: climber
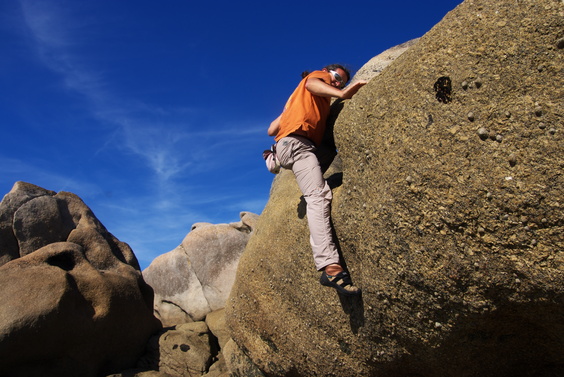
(298, 134)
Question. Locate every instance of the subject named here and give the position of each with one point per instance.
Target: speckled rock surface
(448, 213)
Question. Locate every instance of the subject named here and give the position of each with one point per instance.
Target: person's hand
(351, 90)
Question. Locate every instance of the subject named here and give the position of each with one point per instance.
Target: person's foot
(341, 282)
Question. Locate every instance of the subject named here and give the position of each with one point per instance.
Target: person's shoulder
(319, 74)
(322, 75)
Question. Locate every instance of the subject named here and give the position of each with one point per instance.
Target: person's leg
(299, 155)
(318, 196)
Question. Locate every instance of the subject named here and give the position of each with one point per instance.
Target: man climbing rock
(298, 133)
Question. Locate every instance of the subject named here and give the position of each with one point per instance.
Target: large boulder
(449, 216)
(196, 277)
(74, 302)
(377, 64)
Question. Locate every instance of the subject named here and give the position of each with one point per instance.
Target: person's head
(340, 75)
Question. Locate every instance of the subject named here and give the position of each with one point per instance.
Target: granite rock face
(448, 213)
(74, 302)
(196, 278)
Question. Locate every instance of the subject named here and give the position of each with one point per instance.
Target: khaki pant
(298, 154)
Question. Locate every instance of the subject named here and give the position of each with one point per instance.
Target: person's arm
(274, 126)
(320, 88)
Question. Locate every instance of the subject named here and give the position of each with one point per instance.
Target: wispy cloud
(158, 146)
(54, 32)
(162, 138)
(56, 36)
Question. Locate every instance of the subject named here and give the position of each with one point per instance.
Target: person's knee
(323, 193)
(326, 192)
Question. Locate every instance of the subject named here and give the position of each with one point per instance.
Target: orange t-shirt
(305, 112)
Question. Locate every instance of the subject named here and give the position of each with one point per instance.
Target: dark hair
(332, 67)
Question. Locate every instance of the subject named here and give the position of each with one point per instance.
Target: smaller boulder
(217, 325)
(186, 351)
(196, 277)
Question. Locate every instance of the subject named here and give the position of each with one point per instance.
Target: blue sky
(155, 112)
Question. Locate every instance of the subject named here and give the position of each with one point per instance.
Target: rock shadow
(519, 339)
(352, 305)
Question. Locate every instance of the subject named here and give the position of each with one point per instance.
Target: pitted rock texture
(454, 235)
(196, 277)
(74, 302)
